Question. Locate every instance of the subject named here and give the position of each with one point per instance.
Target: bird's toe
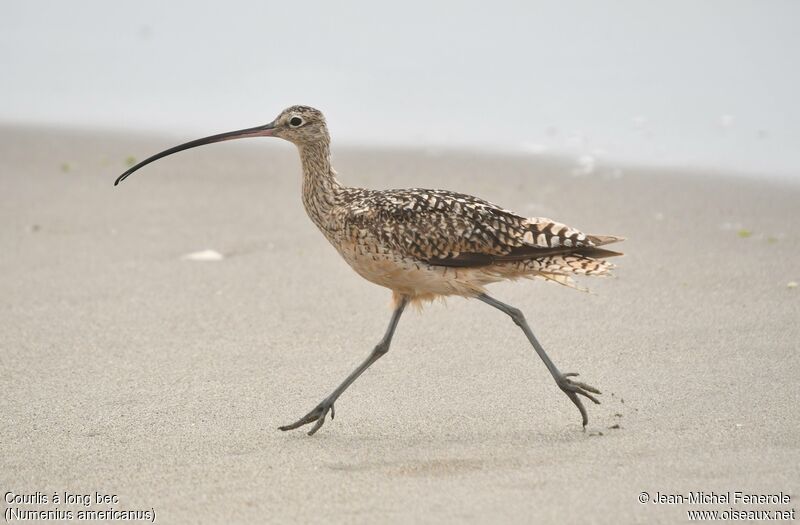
(575, 388)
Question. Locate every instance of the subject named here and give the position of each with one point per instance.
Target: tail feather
(564, 280)
(575, 264)
(600, 240)
(562, 264)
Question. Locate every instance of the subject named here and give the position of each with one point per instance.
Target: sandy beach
(129, 370)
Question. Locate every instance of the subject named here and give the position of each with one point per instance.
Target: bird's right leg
(320, 411)
(569, 386)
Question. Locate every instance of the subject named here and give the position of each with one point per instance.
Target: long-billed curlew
(423, 244)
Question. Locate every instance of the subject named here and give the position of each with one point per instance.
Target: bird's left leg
(570, 387)
(320, 411)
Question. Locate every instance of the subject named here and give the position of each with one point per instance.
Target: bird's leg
(320, 411)
(570, 387)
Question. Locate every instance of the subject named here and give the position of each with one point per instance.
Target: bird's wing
(452, 229)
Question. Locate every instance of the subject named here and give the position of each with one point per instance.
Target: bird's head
(301, 125)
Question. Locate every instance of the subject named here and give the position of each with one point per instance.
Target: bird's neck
(320, 186)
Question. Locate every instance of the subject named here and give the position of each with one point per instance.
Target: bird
(425, 244)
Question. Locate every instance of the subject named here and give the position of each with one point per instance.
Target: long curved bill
(259, 131)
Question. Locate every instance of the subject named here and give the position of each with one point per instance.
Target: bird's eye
(296, 122)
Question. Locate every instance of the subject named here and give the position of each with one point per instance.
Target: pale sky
(667, 83)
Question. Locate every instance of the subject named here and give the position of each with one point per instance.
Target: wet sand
(128, 370)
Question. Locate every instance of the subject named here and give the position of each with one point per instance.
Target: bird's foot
(317, 414)
(573, 388)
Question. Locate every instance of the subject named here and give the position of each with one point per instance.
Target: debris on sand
(203, 255)
(791, 284)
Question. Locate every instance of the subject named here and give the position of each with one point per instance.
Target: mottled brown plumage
(426, 243)
(423, 244)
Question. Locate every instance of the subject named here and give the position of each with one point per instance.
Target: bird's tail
(560, 268)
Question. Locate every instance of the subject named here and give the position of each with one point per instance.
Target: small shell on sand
(203, 255)
(791, 284)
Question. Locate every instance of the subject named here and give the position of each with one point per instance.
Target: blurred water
(672, 83)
